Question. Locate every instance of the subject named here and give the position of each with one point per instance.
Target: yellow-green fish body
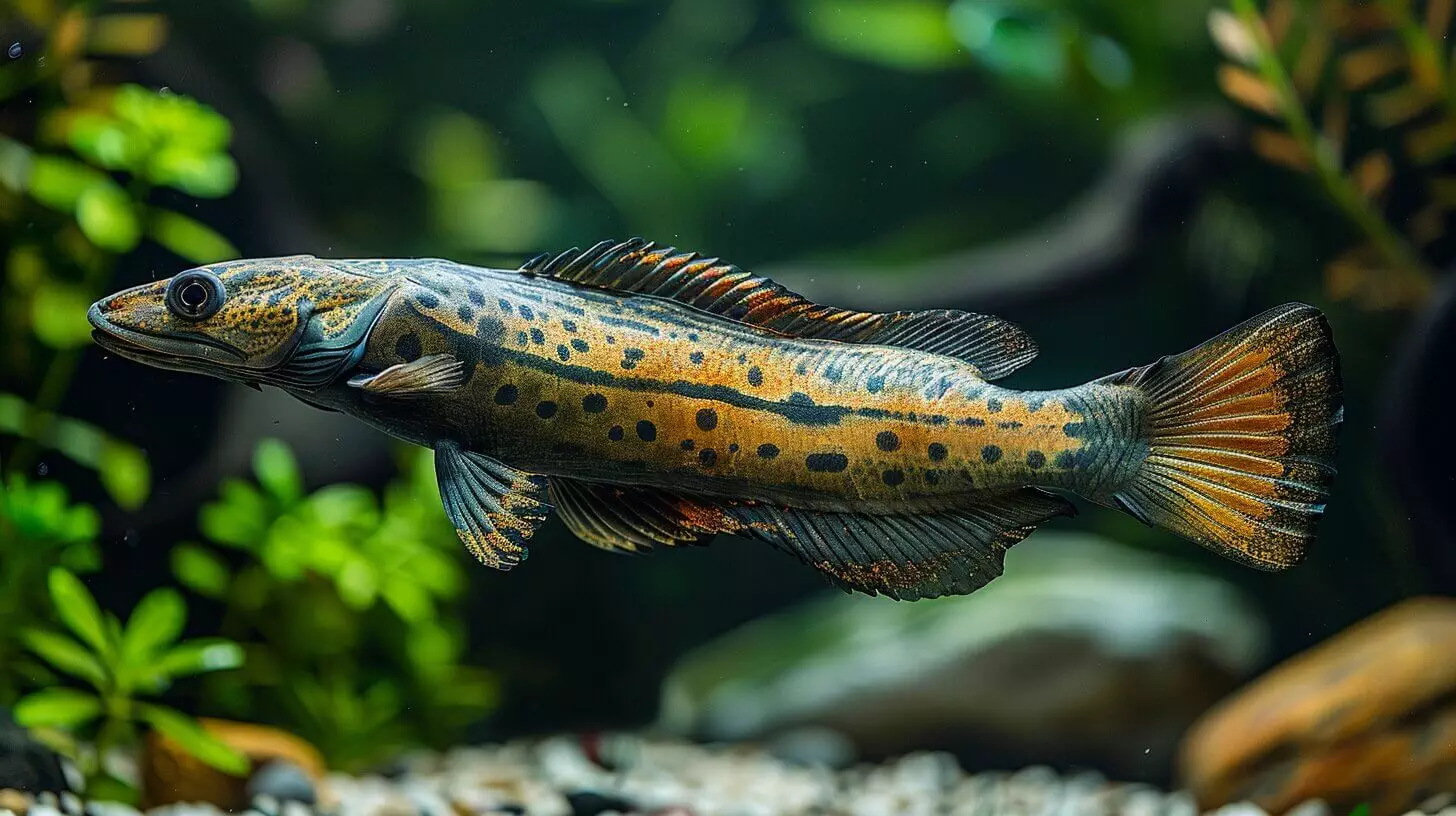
(652, 396)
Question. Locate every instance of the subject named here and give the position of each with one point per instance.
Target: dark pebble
(591, 803)
(26, 764)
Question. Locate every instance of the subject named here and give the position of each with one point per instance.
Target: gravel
(556, 777)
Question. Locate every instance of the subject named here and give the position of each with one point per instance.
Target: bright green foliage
(122, 468)
(121, 663)
(341, 598)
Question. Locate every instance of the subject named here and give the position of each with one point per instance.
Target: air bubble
(16, 50)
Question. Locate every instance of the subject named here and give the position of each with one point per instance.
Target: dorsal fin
(994, 346)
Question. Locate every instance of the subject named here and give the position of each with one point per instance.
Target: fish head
(295, 321)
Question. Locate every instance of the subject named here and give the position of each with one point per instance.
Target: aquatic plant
(1360, 96)
(343, 599)
(121, 663)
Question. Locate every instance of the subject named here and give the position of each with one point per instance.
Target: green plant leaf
(201, 570)
(201, 656)
(58, 315)
(57, 708)
(124, 473)
(906, 34)
(155, 624)
(104, 141)
(58, 182)
(65, 654)
(78, 611)
(189, 238)
(195, 739)
(277, 470)
(205, 175)
(108, 218)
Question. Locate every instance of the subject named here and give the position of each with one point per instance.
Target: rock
(284, 781)
(1084, 653)
(16, 801)
(26, 764)
(1369, 717)
(171, 775)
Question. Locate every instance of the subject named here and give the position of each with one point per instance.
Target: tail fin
(1241, 434)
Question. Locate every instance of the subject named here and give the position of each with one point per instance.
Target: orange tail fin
(1241, 434)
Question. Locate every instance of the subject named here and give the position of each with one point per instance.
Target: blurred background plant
(348, 602)
(121, 663)
(1074, 166)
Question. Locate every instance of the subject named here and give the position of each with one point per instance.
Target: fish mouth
(192, 353)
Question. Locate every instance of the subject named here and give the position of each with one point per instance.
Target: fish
(653, 396)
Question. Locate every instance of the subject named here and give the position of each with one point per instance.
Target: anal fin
(906, 557)
(433, 374)
(632, 519)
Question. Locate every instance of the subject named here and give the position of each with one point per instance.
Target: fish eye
(195, 295)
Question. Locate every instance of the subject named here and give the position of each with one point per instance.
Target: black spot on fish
(696, 358)
(755, 376)
(545, 409)
(768, 450)
(408, 347)
(993, 405)
(630, 357)
(937, 452)
(521, 338)
(580, 345)
(490, 329)
(569, 325)
(707, 457)
(1066, 460)
(594, 403)
(826, 462)
(505, 305)
(833, 372)
(687, 444)
(875, 384)
(693, 336)
(893, 478)
(932, 477)
(1074, 429)
(650, 403)
(801, 369)
(742, 359)
(733, 447)
(428, 300)
(972, 422)
(611, 341)
(800, 398)
(1036, 460)
(646, 431)
(1008, 426)
(538, 337)
(476, 298)
(1034, 405)
(465, 313)
(887, 441)
(615, 433)
(527, 313)
(707, 419)
(507, 394)
(562, 352)
(990, 454)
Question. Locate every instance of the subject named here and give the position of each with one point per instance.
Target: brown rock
(169, 774)
(1367, 717)
(15, 801)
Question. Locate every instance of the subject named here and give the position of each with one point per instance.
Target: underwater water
(906, 406)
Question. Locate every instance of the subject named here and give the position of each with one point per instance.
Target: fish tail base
(1240, 436)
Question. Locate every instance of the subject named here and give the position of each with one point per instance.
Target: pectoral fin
(434, 374)
(495, 508)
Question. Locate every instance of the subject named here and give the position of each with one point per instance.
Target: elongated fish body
(657, 397)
